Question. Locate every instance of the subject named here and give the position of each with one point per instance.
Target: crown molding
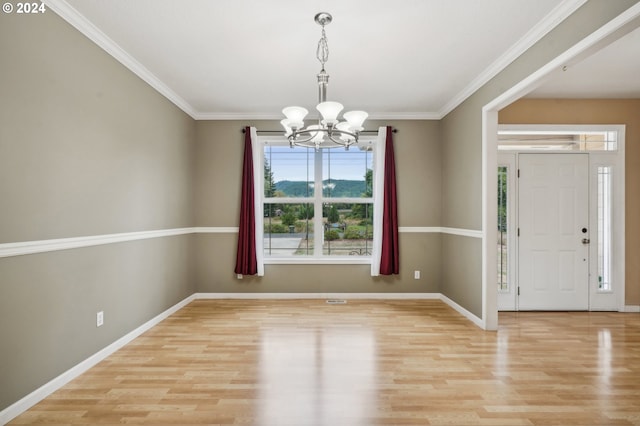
(424, 115)
(237, 116)
(548, 23)
(271, 116)
(82, 24)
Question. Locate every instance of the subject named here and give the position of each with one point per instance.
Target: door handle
(586, 241)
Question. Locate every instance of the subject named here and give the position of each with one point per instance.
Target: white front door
(553, 206)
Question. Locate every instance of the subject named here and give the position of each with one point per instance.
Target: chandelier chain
(322, 52)
(330, 132)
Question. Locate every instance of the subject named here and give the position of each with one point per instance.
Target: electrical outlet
(99, 318)
(239, 276)
(416, 275)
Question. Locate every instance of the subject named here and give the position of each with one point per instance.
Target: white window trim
(319, 259)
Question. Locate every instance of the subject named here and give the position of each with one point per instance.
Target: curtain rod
(394, 130)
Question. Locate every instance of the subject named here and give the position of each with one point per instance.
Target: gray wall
(462, 149)
(86, 148)
(217, 199)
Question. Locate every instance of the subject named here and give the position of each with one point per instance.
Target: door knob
(586, 241)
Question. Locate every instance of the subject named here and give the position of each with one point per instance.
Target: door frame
(598, 300)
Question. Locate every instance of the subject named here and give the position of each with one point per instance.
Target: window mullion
(318, 226)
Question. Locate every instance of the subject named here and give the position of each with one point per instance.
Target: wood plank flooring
(369, 362)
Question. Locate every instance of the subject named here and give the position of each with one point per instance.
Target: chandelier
(330, 132)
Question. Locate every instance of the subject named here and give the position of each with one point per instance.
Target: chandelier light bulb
(345, 127)
(295, 115)
(329, 111)
(355, 119)
(287, 126)
(317, 136)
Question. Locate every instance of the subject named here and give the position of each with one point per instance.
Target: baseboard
(47, 389)
(631, 308)
(379, 296)
(471, 317)
(417, 296)
(317, 295)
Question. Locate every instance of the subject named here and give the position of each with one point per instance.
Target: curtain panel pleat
(246, 261)
(390, 252)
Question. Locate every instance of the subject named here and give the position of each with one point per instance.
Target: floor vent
(336, 301)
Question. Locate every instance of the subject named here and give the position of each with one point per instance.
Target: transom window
(317, 203)
(557, 140)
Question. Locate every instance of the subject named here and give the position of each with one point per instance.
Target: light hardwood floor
(369, 362)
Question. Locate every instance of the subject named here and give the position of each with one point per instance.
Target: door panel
(553, 210)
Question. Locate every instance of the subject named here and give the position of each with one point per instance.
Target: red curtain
(390, 257)
(246, 262)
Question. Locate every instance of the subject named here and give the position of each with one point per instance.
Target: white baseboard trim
(287, 296)
(47, 389)
(471, 317)
(631, 308)
(390, 296)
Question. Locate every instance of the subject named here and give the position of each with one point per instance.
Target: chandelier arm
(341, 143)
(344, 132)
(292, 138)
(311, 132)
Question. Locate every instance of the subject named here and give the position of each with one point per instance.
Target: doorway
(560, 218)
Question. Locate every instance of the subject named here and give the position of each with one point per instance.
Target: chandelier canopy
(329, 132)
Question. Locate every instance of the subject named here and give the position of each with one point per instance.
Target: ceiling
(247, 59)
(612, 72)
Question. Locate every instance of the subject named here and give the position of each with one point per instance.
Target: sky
(297, 164)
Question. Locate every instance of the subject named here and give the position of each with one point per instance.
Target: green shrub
(331, 235)
(288, 218)
(301, 226)
(275, 228)
(333, 216)
(353, 233)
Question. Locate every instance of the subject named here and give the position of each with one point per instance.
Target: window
(557, 140)
(503, 283)
(604, 228)
(317, 204)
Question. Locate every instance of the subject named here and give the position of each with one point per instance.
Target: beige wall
(86, 148)
(217, 199)
(598, 111)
